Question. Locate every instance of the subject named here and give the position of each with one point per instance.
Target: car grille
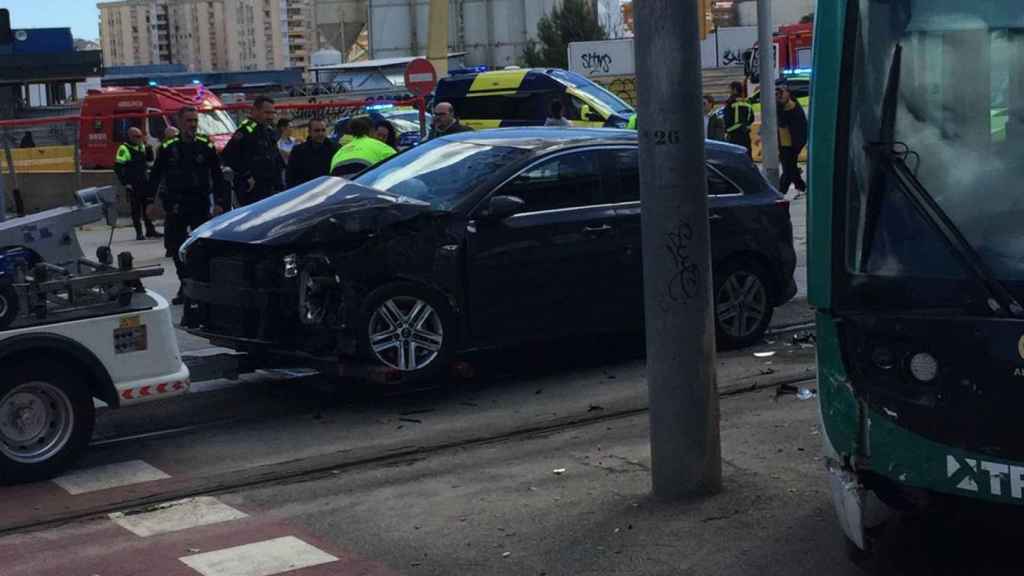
(228, 272)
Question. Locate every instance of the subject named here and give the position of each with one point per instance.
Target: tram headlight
(924, 367)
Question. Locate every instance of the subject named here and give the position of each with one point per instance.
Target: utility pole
(769, 115)
(686, 455)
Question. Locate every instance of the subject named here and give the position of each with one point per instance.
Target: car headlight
(291, 266)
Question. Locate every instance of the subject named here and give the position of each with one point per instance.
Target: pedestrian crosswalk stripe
(109, 476)
(259, 559)
(177, 516)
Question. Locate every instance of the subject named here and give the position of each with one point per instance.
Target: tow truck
(74, 330)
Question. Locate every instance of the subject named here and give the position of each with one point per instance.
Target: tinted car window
(507, 107)
(718, 185)
(440, 172)
(566, 181)
(624, 185)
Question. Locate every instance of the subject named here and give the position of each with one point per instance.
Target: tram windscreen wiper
(889, 160)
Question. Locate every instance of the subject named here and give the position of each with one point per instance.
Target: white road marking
(177, 516)
(259, 559)
(109, 476)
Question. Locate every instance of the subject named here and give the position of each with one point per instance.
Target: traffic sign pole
(421, 79)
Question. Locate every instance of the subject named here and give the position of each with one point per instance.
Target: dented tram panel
(912, 258)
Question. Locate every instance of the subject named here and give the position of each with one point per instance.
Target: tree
(574, 21)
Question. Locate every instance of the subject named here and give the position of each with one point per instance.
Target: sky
(80, 15)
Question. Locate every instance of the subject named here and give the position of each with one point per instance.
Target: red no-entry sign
(420, 77)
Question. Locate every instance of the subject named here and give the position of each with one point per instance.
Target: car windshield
(962, 66)
(441, 172)
(611, 101)
(216, 122)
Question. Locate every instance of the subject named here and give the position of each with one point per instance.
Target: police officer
(363, 151)
(253, 156)
(130, 167)
(189, 167)
(739, 117)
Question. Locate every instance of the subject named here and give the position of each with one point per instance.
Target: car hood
(293, 216)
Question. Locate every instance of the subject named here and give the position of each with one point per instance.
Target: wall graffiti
(596, 62)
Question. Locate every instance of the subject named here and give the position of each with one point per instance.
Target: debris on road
(595, 408)
(506, 554)
(412, 420)
(806, 393)
(764, 354)
(558, 471)
(804, 339)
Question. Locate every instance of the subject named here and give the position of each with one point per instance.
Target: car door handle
(597, 229)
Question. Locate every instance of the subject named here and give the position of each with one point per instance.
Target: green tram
(916, 252)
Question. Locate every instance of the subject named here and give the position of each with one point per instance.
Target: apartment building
(134, 32)
(204, 35)
(300, 24)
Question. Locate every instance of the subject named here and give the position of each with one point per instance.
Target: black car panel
(293, 216)
(296, 271)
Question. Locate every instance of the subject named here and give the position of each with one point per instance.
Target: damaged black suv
(473, 240)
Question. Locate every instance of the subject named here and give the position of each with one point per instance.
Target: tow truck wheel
(46, 420)
(8, 305)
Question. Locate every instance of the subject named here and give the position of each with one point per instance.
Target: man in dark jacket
(189, 167)
(312, 158)
(445, 121)
(253, 155)
(130, 166)
(792, 139)
(714, 128)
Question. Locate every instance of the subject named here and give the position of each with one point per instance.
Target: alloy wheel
(406, 333)
(741, 304)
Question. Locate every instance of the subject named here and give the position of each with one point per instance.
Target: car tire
(409, 328)
(54, 426)
(743, 304)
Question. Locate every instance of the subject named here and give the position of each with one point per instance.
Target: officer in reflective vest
(130, 167)
(631, 125)
(362, 152)
(253, 156)
(189, 167)
(739, 117)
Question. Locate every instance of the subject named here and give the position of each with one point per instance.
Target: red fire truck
(108, 113)
(793, 49)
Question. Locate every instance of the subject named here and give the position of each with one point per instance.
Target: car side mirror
(499, 207)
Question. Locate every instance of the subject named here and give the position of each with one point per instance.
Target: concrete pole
(769, 114)
(3, 197)
(685, 447)
(9, 156)
(76, 145)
